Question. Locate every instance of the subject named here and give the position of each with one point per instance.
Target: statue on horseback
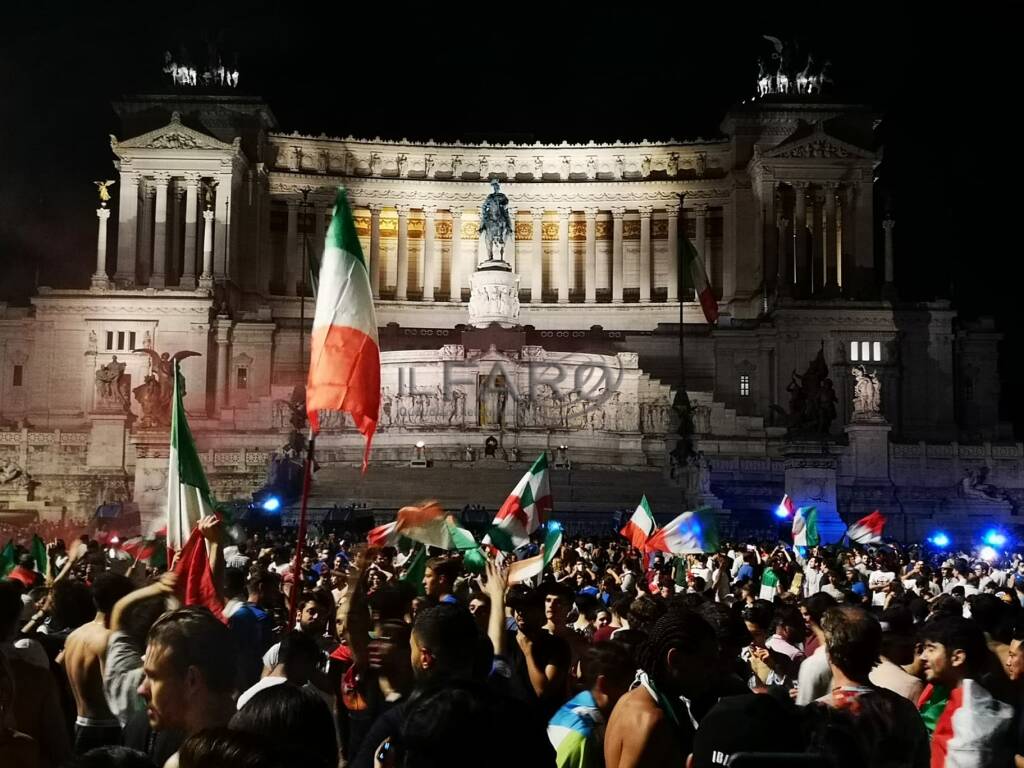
(495, 223)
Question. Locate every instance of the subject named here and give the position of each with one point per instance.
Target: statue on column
(867, 393)
(104, 190)
(495, 222)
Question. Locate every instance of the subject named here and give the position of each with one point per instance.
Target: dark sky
(529, 71)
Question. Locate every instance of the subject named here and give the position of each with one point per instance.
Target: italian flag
(786, 507)
(344, 363)
(805, 527)
(524, 510)
(867, 530)
(188, 493)
(427, 524)
(769, 585)
(689, 533)
(640, 526)
(695, 277)
(532, 567)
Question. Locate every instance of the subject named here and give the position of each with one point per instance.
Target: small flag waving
(195, 578)
(532, 567)
(427, 524)
(640, 526)
(344, 363)
(805, 527)
(696, 278)
(188, 493)
(690, 532)
(868, 530)
(523, 512)
(7, 556)
(786, 507)
(41, 556)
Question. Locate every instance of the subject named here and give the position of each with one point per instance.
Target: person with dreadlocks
(654, 724)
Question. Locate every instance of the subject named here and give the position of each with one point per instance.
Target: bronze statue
(104, 190)
(155, 393)
(495, 222)
(812, 399)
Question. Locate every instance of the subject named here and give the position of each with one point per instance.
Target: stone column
(429, 221)
(537, 265)
(457, 278)
(617, 214)
(100, 280)
(292, 256)
(144, 262)
(817, 244)
(206, 278)
(849, 236)
(590, 265)
(127, 227)
(375, 249)
(510, 245)
(402, 281)
(220, 393)
(320, 211)
(888, 289)
(865, 253)
(159, 277)
(803, 266)
(563, 255)
(672, 211)
(174, 269)
(770, 236)
(645, 253)
(831, 283)
(188, 272)
(221, 232)
(784, 280)
(701, 212)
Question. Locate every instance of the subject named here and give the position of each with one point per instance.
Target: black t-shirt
(159, 745)
(547, 650)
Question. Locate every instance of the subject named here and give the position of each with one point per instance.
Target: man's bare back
(639, 734)
(82, 658)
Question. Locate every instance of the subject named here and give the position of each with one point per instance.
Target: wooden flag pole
(307, 482)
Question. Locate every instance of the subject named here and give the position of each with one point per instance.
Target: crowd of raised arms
(756, 654)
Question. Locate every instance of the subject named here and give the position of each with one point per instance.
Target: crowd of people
(752, 655)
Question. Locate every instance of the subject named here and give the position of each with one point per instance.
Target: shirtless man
(82, 658)
(654, 724)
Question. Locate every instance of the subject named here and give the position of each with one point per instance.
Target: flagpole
(685, 395)
(307, 481)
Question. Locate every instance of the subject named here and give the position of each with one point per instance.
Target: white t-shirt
(260, 685)
(876, 580)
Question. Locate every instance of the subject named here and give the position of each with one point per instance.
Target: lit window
(110, 339)
(865, 350)
(131, 340)
(242, 379)
(876, 351)
(120, 339)
(18, 373)
(744, 385)
(854, 351)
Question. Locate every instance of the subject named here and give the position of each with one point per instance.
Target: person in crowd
(439, 579)
(249, 624)
(297, 721)
(814, 678)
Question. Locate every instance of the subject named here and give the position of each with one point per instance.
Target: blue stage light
(271, 504)
(995, 539)
(781, 512)
(939, 539)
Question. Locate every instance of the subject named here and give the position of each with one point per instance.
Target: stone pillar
(590, 265)
(784, 279)
(375, 249)
(127, 227)
(100, 280)
(206, 278)
(402, 281)
(220, 234)
(510, 245)
(817, 245)
(159, 277)
(849, 236)
(770, 236)
(672, 211)
(617, 214)
(429, 221)
(889, 288)
(174, 269)
(220, 394)
(865, 248)
(537, 265)
(320, 212)
(701, 212)
(457, 278)
(188, 273)
(563, 255)
(831, 261)
(144, 262)
(291, 259)
(645, 253)
(803, 266)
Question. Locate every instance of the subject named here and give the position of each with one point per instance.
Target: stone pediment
(174, 135)
(819, 145)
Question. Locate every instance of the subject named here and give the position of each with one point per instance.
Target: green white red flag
(805, 527)
(694, 275)
(691, 532)
(188, 493)
(344, 363)
(524, 511)
(868, 530)
(428, 524)
(526, 570)
(640, 526)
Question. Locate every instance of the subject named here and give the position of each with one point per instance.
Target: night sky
(522, 71)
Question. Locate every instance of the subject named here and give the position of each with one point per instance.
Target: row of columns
(149, 237)
(460, 271)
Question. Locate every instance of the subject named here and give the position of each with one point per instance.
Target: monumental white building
(218, 211)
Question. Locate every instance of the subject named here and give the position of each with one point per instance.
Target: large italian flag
(428, 524)
(523, 512)
(640, 526)
(691, 532)
(805, 527)
(868, 530)
(188, 493)
(695, 277)
(344, 364)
